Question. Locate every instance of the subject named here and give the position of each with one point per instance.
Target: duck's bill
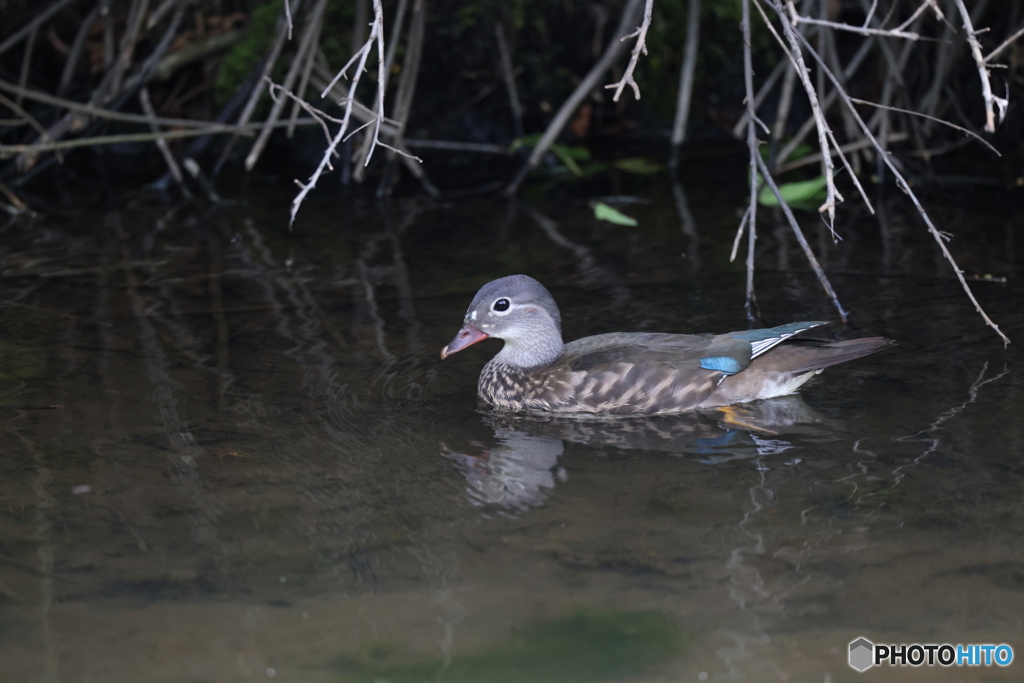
(467, 336)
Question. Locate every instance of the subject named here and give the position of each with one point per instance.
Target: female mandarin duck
(631, 373)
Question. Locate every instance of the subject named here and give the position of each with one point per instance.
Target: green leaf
(603, 212)
(565, 155)
(638, 165)
(527, 141)
(803, 192)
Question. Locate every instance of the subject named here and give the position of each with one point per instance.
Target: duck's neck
(531, 351)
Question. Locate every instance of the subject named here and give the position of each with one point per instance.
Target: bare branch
(686, 78)
(1006, 43)
(161, 143)
(750, 216)
(833, 197)
(815, 266)
(861, 30)
(905, 187)
(641, 46)
(33, 25)
(582, 91)
(848, 147)
(931, 118)
(991, 101)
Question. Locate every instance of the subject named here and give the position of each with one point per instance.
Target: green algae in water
(18, 362)
(590, 645)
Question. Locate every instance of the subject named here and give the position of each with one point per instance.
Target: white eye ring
(501, 306)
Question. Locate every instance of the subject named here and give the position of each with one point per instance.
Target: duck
(631, 373)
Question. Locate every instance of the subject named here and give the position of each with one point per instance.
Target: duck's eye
(501, 305)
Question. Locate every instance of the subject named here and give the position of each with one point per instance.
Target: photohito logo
(864, 654)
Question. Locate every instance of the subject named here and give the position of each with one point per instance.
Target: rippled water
(230, 452)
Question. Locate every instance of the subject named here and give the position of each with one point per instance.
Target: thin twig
(406, 84)
(307, 70)
(457, 146)
(1006, 43)
(33, 25)
(815, 266)
(376, 37)
(741, 126)
(382, 75)
(100, 112)
(833, 198)
(891, 33)
(400, 12)
(991, 101)
(505, 60)
(257, 90)
(161, 143)
(76, 49)
(932, 118)
(686, 73)
(6, 151)
(848, 147)
(870, 13)
(27, 118)
(750, 216)
(901, 182)
(26, 60)
(306, 46)
(582, 91)
(641, 46)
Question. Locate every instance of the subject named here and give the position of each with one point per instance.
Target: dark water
(230, 452)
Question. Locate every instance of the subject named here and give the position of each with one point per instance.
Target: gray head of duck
(518, 310)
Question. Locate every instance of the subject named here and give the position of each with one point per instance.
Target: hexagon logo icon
(862, 653)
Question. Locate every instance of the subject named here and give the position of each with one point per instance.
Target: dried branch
(7, 151)
(1006, 43)
(796, 18)
(283, 29)
(641, 46)
(91, 110)
(750, 216)
(848, 147)
(376, 39)
(77, 45)
(505, 59)
(306, 47)
(766, 87)
(582, 91)
(33, 25)
(161, 143)
(833, 197)
(991, 101)
(931, 118)
(27, 118)
(815, 266)
(901, 182)
(686, 73)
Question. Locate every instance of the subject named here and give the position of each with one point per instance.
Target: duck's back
(618, 374)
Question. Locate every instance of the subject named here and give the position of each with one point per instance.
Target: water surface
(230, 452)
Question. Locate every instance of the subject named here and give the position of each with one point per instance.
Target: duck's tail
(787, 367)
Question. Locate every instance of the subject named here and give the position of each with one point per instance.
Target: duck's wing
(645, 373)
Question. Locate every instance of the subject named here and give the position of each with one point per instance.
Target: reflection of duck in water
(631, 373)
(520, 470)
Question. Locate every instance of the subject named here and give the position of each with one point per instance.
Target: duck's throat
(532, 352)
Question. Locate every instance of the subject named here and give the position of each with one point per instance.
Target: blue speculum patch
(726, 364)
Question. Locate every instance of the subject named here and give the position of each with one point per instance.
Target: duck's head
(519, 310)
